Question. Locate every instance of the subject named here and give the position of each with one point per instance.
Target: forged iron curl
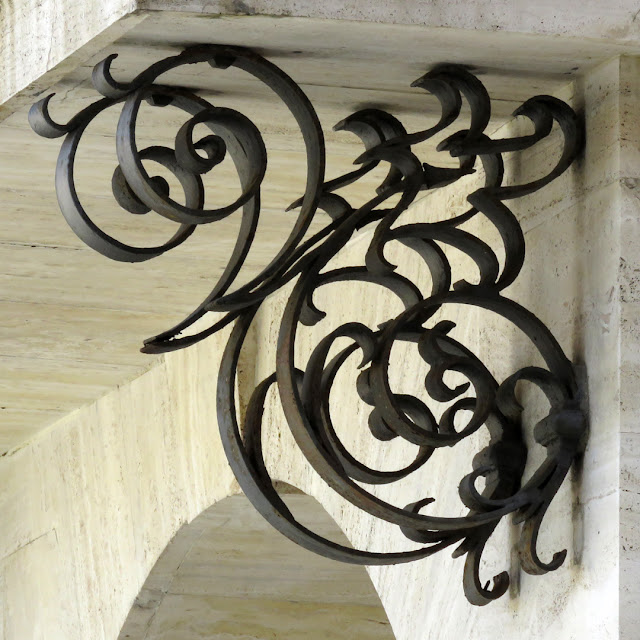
(305, 394)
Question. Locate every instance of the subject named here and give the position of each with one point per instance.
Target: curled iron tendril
(305, 394)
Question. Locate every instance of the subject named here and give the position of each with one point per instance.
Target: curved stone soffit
(482, 402)
(229, 573)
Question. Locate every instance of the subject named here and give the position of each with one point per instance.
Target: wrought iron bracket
(304, 393)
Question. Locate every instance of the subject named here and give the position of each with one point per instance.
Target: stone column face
(629, 291)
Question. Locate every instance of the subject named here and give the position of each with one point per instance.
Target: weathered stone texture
(89, 504)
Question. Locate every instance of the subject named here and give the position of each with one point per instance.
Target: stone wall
(571, 281)
(90, 504)
(41, 40)
(629, 371)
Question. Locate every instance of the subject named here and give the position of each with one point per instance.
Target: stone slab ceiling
(72, 321)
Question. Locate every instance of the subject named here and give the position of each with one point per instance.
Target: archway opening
(229, 575)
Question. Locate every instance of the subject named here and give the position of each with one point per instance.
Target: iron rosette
(305, 392)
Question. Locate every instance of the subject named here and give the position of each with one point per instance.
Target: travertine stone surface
(43, 37)
(89, 504)
(65, 309)
(230, 575)
(92, 502)
(629, 372)
(46, 38)
(590, 19)
(570, 280)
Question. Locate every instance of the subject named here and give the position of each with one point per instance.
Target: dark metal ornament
(305, 393)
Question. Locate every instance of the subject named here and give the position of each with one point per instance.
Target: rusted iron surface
(305, 393)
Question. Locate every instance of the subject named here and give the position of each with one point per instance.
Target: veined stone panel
(66, 309)
(96, 497)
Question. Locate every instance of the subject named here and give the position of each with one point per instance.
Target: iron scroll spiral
(304, 394)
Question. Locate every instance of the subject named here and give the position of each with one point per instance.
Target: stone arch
(228, 574)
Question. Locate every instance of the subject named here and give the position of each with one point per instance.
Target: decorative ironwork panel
(305, 393)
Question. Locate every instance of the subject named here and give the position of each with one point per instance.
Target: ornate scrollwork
(305, 393)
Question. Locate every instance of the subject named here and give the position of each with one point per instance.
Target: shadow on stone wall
(228, 574)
